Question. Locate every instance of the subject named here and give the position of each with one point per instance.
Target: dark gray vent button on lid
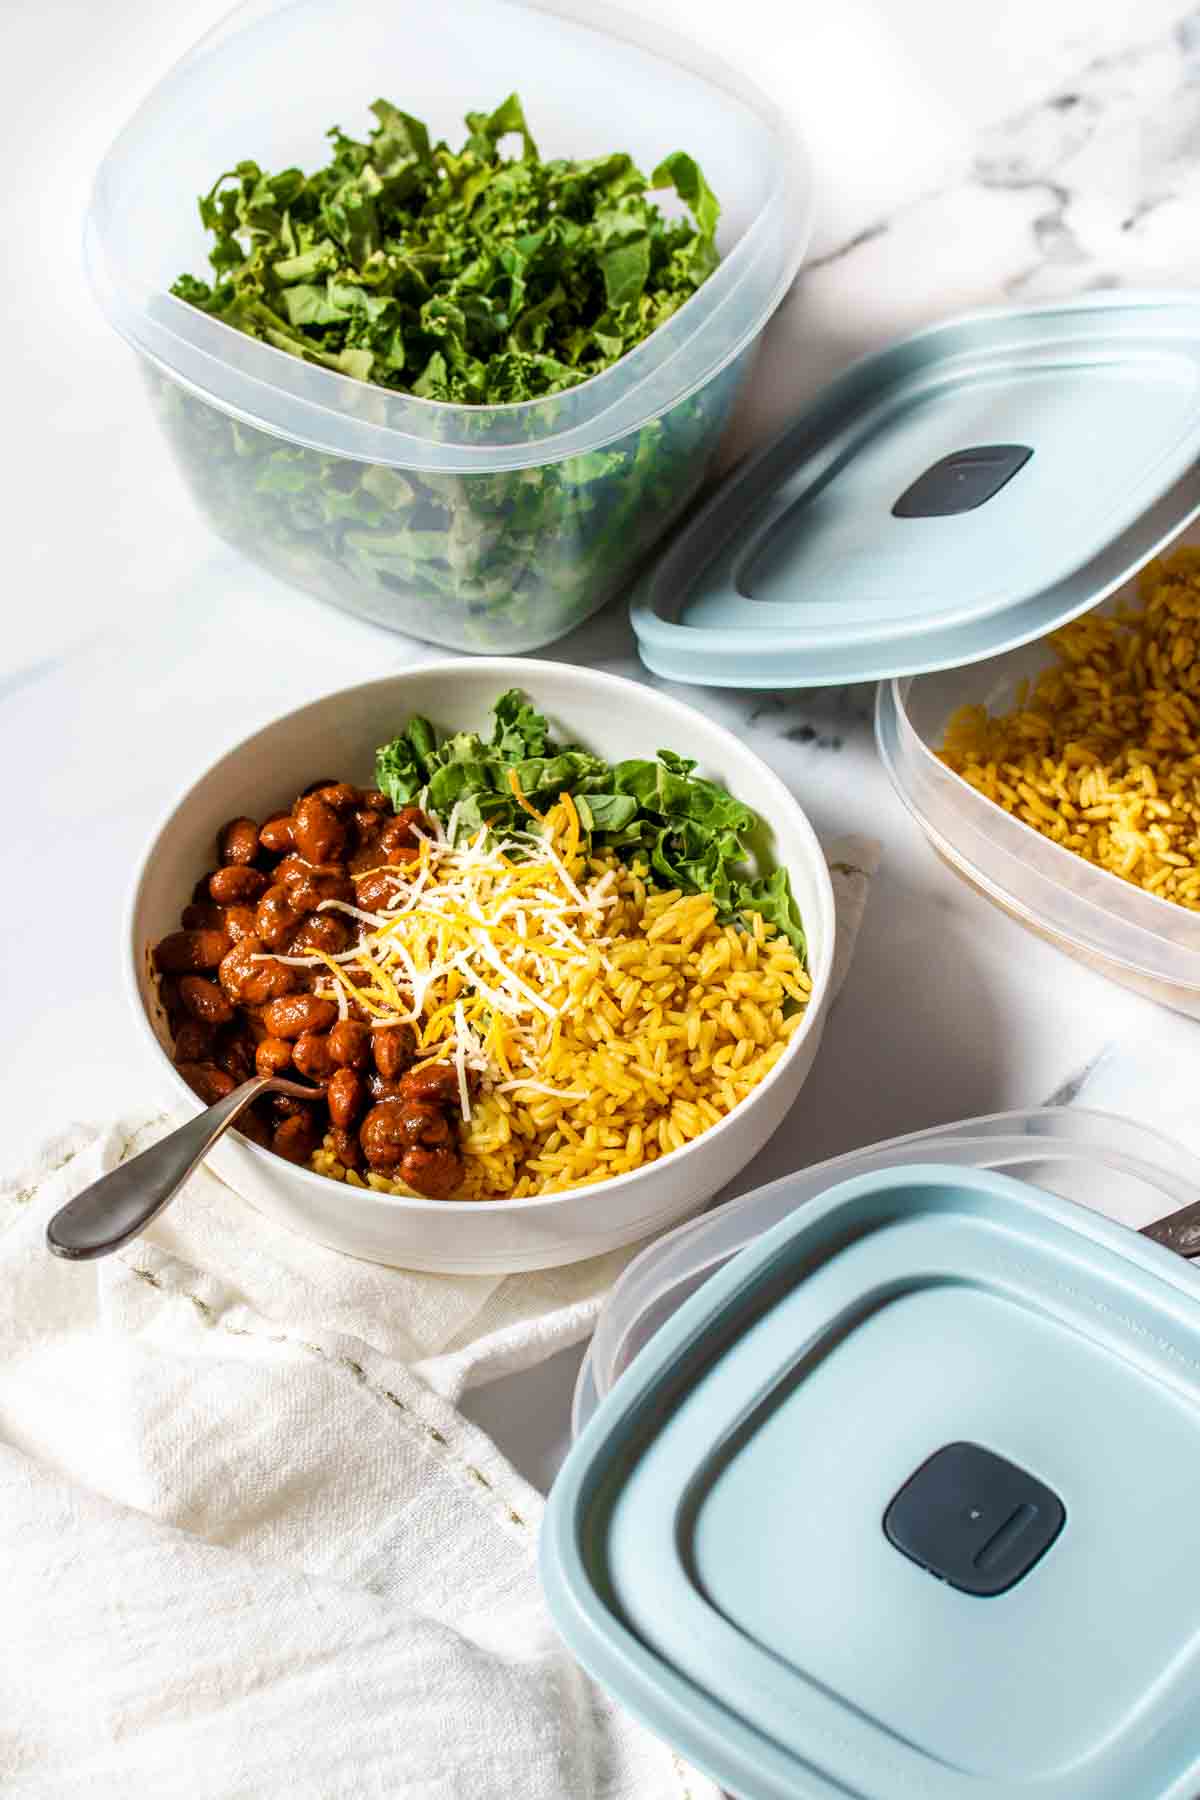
(973, 1519)
(961, 482)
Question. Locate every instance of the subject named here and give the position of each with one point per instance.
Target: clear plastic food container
(870, 1510)
(947, 503)
(484, 528)
(1146, 943)
(1117, 1167)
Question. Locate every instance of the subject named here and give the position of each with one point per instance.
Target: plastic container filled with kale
(458, 391)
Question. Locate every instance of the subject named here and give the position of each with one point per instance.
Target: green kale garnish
(465, 276)
(684, 831)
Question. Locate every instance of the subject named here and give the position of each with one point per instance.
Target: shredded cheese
(477, 950)
(460, 1059)
(538, 1087)
(514, 783)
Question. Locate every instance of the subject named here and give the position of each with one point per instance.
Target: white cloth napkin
(248, 1545)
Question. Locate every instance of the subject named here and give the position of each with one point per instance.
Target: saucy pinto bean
(276, 917)
(288, 1106)
(379, 1089)
(250, 982)
(339, 796)
(237, 842)
(320, 931)
(398, 842)
(350, 1044)
(202, 915)
(310, 1053)
(172, 1002)
(367, 855)
(317, 832)
(234, 1052)
(393, 1047)
(345, 1095)
(425, 1124)
(406, 829)
(272, 1056)
(236, 883)
(435, 1085)
(295, 1138)
(394, 1141)
(193, 1041)
(251, 1020)
(187, 952)
(207, 1080)
(297, 1013)
(240, 922)
(205, 1000)
(376, 890)
(254, 1127)
(434, 1173)
(234, 1007)
(308, 883)
(383, 1137)
(346, 1147)
(356, 976)
(275, 835)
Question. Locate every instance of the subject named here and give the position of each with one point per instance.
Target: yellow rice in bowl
(662, 1023)
(1103, 754)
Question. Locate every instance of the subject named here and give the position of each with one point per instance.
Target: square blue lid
(902, 1502)
(964, 491)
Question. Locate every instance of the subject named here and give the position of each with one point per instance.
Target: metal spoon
(122, 1204)
(1178, 1231)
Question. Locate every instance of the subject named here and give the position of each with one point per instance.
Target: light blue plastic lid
(715, 1550)
(965, 491)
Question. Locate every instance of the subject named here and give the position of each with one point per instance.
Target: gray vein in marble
(816, 717)
(1110, 154)
(866, 236)
(807, 734)
(33, 672)
(1111, 162)
(1069, 1090)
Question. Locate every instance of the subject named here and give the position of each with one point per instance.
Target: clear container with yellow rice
(1062, 780)
(1101, 754)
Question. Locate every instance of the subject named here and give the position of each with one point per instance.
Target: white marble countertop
(962, 162)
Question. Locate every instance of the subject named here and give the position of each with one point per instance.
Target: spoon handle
(1178, 1231)
(121, 1204)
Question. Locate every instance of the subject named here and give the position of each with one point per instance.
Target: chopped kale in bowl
(461, 276)
(473, 279)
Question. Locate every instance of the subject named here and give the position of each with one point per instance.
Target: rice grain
(668, 1031)
(1102, 756)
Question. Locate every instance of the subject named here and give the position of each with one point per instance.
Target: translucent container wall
(1136, 938)
(1100, 1160)
(483, 528)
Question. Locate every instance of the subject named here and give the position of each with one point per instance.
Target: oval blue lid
(902, 1503)
(962, 492)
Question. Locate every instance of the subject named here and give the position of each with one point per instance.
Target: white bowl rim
(515, 672)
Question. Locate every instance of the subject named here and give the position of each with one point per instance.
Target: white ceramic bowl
(337, 736)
